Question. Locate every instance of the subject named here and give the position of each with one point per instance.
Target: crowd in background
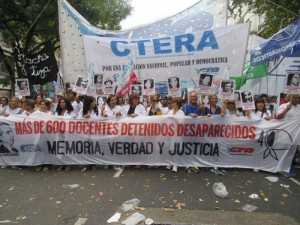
(86, 107)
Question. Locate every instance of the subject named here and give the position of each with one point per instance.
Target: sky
(146, 11)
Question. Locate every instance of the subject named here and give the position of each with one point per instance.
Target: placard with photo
(292, 83)
(247, 100)
(227, 89)
(205, 82)
(174, 89)
(148, 86)
(136, 88)
(22, 87)
(81, 85)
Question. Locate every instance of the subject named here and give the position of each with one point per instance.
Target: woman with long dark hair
(64, 108)
(89, 109)
(260, 111)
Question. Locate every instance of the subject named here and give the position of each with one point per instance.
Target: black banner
(39, 68)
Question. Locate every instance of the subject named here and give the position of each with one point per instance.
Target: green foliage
(18, 19)
(276, 17)
(19, 23)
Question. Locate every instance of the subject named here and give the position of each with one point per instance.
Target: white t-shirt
(67, 114)
(12, 111)
(111, 112)
(178, 113)
(292, 113)
(139, 109)
(92, 113)
(3, 108)
(259, 115)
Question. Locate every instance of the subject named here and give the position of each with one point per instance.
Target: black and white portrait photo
(6, 139)
(227, 86)
(98, 80)
(173, 82)
(148, 83)
(246, 96)
(205, 80)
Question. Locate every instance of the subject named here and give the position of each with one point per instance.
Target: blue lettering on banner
(30, 148)
(163, 45)
(208, 70)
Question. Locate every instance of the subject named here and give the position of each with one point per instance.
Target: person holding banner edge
(290, 110)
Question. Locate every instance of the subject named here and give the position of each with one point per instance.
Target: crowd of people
(86, 107)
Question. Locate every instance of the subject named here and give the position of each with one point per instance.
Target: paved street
(29, 197)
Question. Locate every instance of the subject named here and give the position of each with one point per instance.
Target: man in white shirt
(290, 110)
(71, 95)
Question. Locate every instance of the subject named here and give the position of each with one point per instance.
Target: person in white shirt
(12, 108)
(46, 107)
(4, 104)
(71, 95)
(153, 109)
(30, 109)
(111, 108)
(169, 105)
(260, 111)
(65, 108)
(176, 111)
(290, 109)
(134, 108)
(176, 107)
(287, 111)
(90, 109)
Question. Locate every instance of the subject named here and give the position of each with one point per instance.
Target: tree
(32, 22)
(277, 13)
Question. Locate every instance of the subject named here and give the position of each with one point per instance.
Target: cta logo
(30, 148)
(240, 151)
(208, 70)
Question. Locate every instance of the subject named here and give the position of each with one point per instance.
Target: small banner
(39, 68)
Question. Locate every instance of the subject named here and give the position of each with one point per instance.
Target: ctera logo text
(30, 148)
(240, 151)
(166, 45)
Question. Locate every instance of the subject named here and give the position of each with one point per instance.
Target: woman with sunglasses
(153, 109)
(229, 108)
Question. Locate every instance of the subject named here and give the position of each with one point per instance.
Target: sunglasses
(155, 100)
(231, 103)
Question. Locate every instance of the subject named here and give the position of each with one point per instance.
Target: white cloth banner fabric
(205, 14)
(184, 55)
(155, 140)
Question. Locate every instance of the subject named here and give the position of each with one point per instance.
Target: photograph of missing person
(101, 100)
(23, 84)
(293, 79)
(205, 80)
(108, 83)
(22, 87)
(173, 82)
(82, 82)
(6, 139)
(148, 83)
(246, 96)
(227, 86)
(136, 88)
(98, 80)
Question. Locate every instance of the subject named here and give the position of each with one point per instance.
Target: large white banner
(185, 55)
(205, 14)
(156, 140)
